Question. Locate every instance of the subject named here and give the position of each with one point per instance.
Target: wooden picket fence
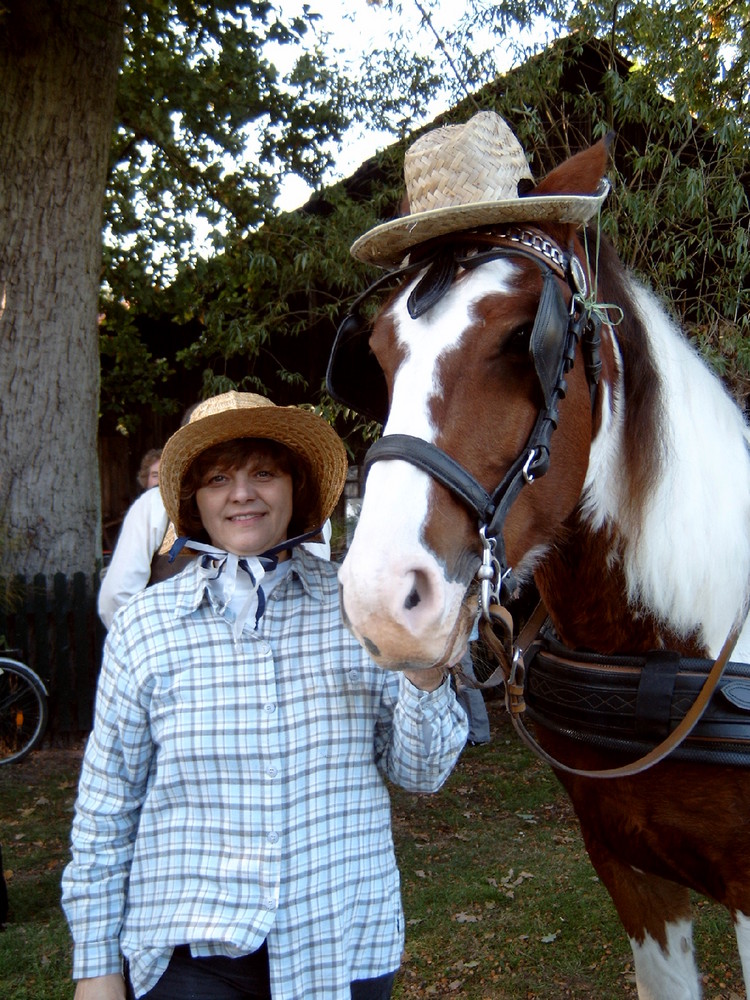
(54, 628)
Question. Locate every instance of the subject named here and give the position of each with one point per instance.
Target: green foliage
(678, 211)
(285, 283)
(206, 124)
(675, 90)
(206, 121)
(216, 104)
(131, 375)
(200, 90)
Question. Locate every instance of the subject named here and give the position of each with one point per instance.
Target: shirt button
(272, 772)
(273, 837)
(353, 675)
(270, 904)
(270, 708)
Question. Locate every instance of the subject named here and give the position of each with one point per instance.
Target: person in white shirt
(141, 535)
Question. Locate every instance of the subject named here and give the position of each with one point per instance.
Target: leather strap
(503, 649)
(514, 685)
(435, 462)
(655, 691)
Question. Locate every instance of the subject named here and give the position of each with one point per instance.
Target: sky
(354, 26)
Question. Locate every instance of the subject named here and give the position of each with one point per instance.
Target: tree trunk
(58, 77)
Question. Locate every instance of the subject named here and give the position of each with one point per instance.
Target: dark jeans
(246, 978)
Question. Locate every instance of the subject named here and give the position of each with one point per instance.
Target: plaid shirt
(231, 793)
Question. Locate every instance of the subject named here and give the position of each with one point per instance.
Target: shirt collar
(193, 585)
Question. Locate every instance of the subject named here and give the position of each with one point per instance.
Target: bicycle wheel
(23, 710)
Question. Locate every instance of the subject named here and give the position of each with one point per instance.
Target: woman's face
(152, 479)
(248, 509)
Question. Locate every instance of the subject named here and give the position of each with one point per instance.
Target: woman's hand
(111, 987)
(426, 680)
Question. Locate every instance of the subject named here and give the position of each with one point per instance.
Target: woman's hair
(230, 455)
(151, 456)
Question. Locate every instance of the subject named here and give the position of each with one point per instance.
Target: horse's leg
(657, 918)
(742, 930)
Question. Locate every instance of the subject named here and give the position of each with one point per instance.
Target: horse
(530, 357)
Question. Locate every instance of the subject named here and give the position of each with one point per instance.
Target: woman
(232, 834)
(148, 473)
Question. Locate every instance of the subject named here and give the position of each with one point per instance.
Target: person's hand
(426, 680)
(111, 987)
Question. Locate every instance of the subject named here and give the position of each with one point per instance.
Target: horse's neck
(669, 566)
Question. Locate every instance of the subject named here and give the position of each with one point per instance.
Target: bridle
(558, 329)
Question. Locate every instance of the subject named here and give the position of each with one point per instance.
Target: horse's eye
(517, 343)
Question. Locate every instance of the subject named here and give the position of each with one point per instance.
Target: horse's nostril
(412, 600)
(370, 646)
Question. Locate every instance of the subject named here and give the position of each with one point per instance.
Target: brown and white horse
(637, 535)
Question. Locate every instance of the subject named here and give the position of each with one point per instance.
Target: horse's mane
(681, 511)
(641, 451)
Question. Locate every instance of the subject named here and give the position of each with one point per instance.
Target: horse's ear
(580, 174)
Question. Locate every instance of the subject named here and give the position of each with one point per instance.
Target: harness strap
(655, 692)
(503, 647)
(439, 465)
(513, 670)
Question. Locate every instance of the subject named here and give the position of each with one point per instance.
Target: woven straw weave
(461, 177)
(460, 164)
(248, 415)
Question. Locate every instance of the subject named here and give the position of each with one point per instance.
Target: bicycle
(23, 710)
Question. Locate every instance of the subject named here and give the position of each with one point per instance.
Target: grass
(36, 809)
(501, 901)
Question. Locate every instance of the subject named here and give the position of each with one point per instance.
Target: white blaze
(388, 566)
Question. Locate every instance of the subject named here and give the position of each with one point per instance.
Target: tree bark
(59, 61)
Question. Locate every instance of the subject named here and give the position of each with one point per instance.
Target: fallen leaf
(528, 818)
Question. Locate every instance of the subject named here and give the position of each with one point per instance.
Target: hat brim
(304, 433)
(386, 245)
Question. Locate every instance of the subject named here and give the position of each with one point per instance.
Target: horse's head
(473, 348)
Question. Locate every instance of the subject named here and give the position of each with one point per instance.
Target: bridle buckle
(489, 574)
